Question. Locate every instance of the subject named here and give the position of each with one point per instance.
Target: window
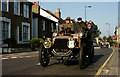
(17, 8)
(52, 27)
(26, 10)
(5, 30)
(43, 36)
(25, 33)
(5, 5)
(43, 25)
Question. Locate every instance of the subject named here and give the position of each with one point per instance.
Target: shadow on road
(97, 57)
(76, 62)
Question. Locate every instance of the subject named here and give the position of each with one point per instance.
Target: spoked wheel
(82, 56)
(44, 56)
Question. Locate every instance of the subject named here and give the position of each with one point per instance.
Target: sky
(100, 13)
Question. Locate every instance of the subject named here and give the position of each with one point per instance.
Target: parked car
(64, 46)
(105, 45)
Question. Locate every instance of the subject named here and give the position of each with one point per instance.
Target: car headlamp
(47, 43)
(80, 34)
(54, 34)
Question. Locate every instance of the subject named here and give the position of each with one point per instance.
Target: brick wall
(17, 20)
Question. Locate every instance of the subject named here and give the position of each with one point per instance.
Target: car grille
(60, 45)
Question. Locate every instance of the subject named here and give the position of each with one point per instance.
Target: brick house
(44, 22)
(57, 16)
(16, 22)
(43, 27)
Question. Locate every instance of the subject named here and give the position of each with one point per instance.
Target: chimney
(58, 13)
(37, 2)
(36, 7)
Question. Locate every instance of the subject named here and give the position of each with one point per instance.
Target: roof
(28, 2)
(60, 19)
(38, 15)
(73, 20)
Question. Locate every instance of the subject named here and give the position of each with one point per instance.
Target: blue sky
(100, 13)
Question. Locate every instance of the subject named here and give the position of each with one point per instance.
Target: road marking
(13, 57)
(38, 64)
(101, 68)
(97, 48)
(4, 58)
(20, 57)
(28, 56)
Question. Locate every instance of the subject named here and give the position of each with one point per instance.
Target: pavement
(27, 63)
(112, 66)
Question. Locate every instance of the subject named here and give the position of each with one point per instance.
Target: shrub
(112, 43)
(10, 41)
(35, 42)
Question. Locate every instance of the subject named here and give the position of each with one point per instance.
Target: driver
(67, 25)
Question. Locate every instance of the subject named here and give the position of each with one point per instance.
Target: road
(28, 64)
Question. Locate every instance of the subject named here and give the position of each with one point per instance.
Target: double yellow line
(101, 68)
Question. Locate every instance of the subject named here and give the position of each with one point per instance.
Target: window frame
(7, 6)
(52, 27)
(26, 24)
(18, 7)
(9, 28)
(6, 30)
(43, 24)
(27, 10)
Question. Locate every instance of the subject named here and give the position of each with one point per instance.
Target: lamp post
(85, 10)
(109, 28)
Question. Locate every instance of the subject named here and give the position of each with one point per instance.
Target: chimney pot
(34, 3)
(37, 2)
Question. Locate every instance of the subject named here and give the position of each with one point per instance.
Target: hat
(89, 22)
(68, 18)
(79, 18)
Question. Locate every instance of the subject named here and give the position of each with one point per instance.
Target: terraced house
(16, 23)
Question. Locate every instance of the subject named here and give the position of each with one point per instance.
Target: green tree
(104, 38)
(98, 32)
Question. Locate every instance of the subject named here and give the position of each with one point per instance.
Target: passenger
(80, 25)
(67, 24)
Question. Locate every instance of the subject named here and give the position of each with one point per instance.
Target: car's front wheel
(44, 56)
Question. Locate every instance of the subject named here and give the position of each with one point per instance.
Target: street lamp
(85, 10)
(109, 27)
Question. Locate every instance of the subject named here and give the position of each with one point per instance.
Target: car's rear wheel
(44, 56)
(82, 56)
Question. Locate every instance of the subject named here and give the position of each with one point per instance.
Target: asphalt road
(28, 64)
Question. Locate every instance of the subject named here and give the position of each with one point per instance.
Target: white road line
(38, 64)
(20, 57)
(97, 48)
(28, 56)
(13, 57)
(4, 58)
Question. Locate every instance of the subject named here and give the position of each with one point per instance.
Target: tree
(104, 38)
(98, 32)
